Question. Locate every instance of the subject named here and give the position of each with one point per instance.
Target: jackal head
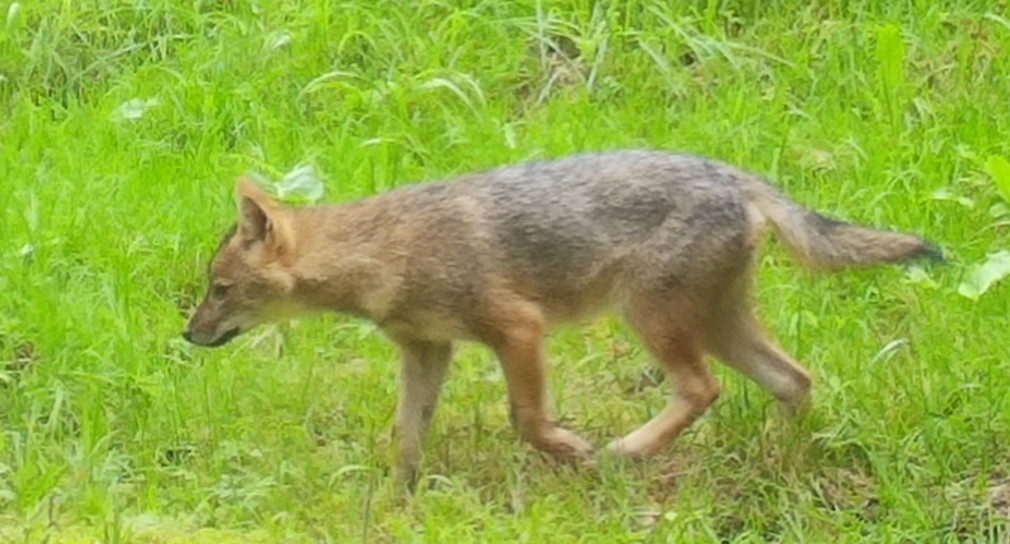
(249, 275)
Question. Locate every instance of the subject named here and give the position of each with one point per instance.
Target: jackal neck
(345, 261)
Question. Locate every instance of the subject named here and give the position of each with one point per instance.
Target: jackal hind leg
(734, 335)
(677, 347)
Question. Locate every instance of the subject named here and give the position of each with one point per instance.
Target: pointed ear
(263, 220)
(253, 214)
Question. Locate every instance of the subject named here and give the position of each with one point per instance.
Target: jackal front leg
(520, 351)
(423, 367)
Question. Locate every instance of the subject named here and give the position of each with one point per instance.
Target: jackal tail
(827, 243)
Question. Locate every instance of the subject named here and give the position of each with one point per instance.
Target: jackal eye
(219, 291)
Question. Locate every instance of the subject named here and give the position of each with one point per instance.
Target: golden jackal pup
(499, 256)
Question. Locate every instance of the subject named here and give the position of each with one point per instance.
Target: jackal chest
(431, 324)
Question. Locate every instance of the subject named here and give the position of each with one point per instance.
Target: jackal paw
(564, 445)
(406, 476)
(632, 446)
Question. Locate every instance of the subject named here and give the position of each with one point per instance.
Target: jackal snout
(211, 342)
(211, 327)
(218, 319)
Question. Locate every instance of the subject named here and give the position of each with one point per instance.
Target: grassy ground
(123, 124)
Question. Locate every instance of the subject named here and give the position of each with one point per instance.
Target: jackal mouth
(224, 338)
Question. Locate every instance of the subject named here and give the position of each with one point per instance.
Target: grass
(123, 125)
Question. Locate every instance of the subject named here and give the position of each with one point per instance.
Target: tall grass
(123, 124)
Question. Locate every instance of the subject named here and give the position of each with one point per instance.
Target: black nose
(187, 336)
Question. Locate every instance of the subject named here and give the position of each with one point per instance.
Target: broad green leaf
(300, 184)
(983, 276)
(999, 169)
(133, 109)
